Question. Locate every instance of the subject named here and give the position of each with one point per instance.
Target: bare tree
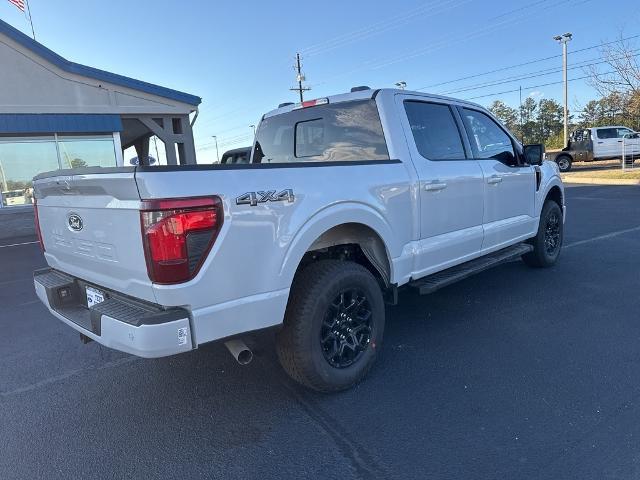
(620, 75)
(622, 69)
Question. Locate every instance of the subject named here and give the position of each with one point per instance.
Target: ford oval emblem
(75, 222)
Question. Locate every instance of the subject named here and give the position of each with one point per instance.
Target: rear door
(509, 185)
(90, 226)
(451, 184)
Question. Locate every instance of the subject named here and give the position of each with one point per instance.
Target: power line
(382, 26)
(531, 87)
(538, 73)
(530, 62)
(477, 75)
(448, 40)
(453, 38)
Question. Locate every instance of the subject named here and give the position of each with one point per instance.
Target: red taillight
(178, 235)
(37, 222)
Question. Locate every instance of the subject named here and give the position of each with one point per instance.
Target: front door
(630, 143)
(509, 185)
(451, 184)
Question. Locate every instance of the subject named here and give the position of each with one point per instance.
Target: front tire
(333, 326)
(548, 241)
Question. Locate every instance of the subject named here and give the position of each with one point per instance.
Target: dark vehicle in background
(237, 155)
(597, 143)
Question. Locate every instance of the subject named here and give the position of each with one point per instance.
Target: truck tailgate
(90, 226)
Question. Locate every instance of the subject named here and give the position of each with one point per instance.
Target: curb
(599, 181)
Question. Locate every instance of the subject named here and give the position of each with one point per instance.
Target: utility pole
(215, 137)
(155, 142)
(299, 78)
(564, 39)
(521, 127)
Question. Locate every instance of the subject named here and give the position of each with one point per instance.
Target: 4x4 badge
(254, 198)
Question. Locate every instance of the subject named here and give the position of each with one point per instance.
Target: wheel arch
(354, 225)
(555, 194)
(370, 250)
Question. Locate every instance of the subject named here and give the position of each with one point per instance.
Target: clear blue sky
(238, 55)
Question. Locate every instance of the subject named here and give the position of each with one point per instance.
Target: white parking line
(18, 244)
(602, 237)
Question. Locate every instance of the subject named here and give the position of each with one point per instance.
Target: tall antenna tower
(299, 78)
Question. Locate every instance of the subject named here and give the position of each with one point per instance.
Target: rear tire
(548, 241)
(564, 163)
(333, 326)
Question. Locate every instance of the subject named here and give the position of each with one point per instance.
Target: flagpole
(33, 32)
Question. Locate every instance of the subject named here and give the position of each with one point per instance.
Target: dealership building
(57, 114)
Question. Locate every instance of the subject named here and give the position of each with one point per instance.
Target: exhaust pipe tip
(240, 351)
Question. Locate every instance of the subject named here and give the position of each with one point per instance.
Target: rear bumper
(122, 323)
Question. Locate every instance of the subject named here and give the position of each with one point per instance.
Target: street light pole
(564, 39)
(215, 137)
(254, 129)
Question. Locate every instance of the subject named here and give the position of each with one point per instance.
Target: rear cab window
(607, 133)
(340, 132)
(435, 131)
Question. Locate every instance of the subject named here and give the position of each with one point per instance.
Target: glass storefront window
(20, 161)
(23, 158)
(77, 152)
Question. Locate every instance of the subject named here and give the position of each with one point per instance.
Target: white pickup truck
(597, 143)
(346, 199)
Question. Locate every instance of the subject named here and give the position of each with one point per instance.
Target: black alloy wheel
(346, 329)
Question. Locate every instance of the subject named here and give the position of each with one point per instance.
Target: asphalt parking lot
(515, 373)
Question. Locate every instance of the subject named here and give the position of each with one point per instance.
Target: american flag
(18, 3)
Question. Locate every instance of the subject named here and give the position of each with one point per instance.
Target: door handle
(600, 143)
(435, 186)
(494, 179)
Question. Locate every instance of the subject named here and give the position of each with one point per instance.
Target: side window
(434, 130)
(607, 133)
(341, 132)
(624, 131)
(488, 139)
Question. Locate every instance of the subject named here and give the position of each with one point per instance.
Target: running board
(436, 281)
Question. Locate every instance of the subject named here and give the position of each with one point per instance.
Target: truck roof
(612, 126)
(367, 94)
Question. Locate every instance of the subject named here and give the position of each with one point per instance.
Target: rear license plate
(94, 296)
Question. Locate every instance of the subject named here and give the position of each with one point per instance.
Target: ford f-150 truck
(346, 199)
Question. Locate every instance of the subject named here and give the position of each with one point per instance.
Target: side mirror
(534, 153)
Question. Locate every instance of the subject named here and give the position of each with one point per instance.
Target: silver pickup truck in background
(346, 199)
